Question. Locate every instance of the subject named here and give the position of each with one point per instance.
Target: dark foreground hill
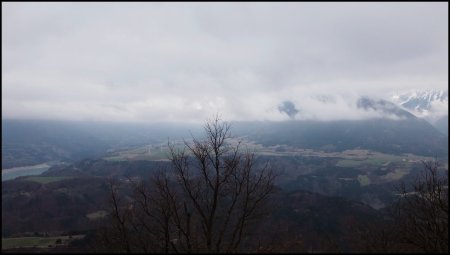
(78, 204)
(51, 204)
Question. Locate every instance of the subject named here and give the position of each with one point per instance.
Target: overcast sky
(187, 61)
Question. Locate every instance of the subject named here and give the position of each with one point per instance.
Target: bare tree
(422, 212)
(116, 235)
(222, 191)
(142, 221)
(417, 221)
(207, 202)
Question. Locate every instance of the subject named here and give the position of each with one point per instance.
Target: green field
(397, 174)
(363, 180)
(38, 242)
(155, 152)
(46, 179)
(97, 215)
(375, 161)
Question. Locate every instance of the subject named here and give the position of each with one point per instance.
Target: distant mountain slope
(33, 142)
(29, 142)
(407, 134)
(387, 108)
(442, 125)
(387, 136)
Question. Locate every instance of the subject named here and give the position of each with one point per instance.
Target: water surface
(12, 173)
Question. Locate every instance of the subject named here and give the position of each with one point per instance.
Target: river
(12, 173)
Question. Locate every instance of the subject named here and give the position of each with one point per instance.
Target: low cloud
(185, 62)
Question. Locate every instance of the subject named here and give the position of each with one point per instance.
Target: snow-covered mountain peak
(421, 101)
(429, 104)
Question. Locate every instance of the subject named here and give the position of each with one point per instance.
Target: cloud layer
(187, 61)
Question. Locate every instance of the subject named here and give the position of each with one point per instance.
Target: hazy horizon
(184, 62)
